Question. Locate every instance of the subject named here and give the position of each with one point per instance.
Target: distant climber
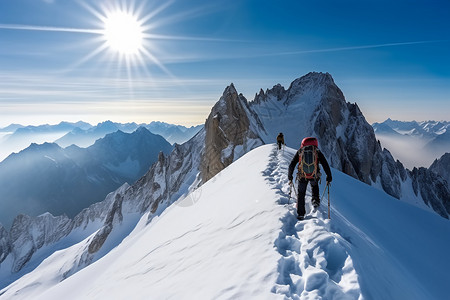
(280, 140)
(308, 158)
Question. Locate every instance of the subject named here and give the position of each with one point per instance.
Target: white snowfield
(237, 237)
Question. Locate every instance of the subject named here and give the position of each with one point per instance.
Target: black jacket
(322, 161)
(280, 139)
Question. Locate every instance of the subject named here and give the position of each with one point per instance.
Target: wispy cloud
(337, 49)
(29, 88)
(151, 36)
(49, 28)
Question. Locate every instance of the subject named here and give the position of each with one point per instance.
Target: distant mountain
(416, 144)
(61, 127)
(174, 133)
(19, 137)
(383, 128)
(48, 178)
(440, 143)
(11, 128)
(424, 129)
(86, 137)
(15, 137)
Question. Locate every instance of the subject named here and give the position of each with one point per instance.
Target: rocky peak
(277, 92)
(441, 166)
(227, 126)
(260, 97)
(312, 80)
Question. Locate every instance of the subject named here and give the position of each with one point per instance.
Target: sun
(123, 33)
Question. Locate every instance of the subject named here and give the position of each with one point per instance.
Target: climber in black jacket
(308, 157)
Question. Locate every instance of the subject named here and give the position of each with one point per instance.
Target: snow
(240, 239)
(278, 117)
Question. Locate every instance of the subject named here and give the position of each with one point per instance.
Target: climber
(280, 140)
(308, 158)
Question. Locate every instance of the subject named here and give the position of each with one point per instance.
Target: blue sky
(390, 57)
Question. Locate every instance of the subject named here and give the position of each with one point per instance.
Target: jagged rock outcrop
(441, 166)
(433, 190)
(29, 234)
(228, 133)
(114, 216)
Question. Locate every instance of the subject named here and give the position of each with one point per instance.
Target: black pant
(279, 145)
(302, 185)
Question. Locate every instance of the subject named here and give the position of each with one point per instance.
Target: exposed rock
(433, 189)
(114, 217)
(227, 127)
(29, 234)
(441, 166)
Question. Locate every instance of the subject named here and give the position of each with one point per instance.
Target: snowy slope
(236, 237)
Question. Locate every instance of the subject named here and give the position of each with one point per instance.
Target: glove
(329, 178)
(290, 182)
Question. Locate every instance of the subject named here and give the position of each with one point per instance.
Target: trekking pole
(323, 193)
(328, 186)
(290, 190)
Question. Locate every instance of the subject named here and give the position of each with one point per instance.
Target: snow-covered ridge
(244, 242)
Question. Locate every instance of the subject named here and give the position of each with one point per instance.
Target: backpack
(308, 164)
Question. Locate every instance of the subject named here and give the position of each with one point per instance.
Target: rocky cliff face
(433, 189)
(441, 167)
(228, 133)
(29, 234)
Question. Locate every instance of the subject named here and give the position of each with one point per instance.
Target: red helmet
(310, 141)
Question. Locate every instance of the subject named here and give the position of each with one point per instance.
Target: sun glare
(125, 36)
(123, 33)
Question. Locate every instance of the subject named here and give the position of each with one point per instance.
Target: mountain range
(414, 143)
(15, 138)
(48, 178)
(312, 106)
